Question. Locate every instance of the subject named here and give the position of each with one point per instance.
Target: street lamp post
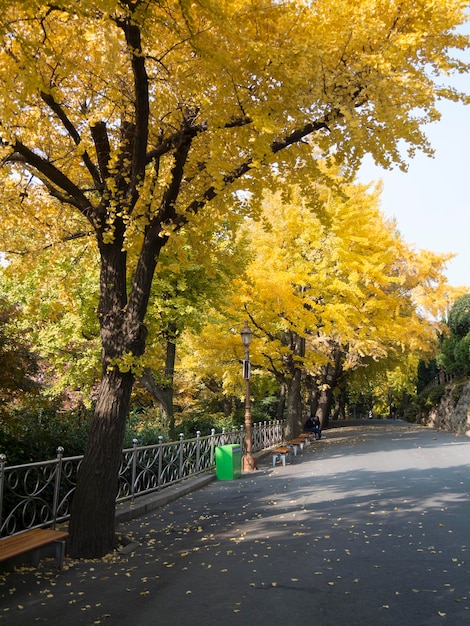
(249, 462)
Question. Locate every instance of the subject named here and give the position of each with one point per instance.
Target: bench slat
(29, 540)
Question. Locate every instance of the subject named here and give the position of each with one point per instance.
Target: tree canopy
(454, 353)
(459, 316)
(331, 288)
(122, 121)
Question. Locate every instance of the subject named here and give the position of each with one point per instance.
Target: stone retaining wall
(453, 412)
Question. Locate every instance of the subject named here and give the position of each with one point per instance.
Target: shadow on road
(368, 526)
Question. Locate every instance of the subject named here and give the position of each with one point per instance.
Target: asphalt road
(370, 526)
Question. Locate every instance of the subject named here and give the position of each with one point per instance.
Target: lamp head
(246, 335)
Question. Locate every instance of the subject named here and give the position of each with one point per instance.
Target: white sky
(431, 201)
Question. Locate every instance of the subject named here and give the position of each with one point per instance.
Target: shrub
(34, 435)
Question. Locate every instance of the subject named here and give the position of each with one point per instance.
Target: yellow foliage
(127, 122)
(344, 282)
(242, 75)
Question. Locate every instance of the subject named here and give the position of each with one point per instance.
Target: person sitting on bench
(312, 425)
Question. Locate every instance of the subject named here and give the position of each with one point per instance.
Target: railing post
(58, 479)
(223, 439)
(181, 437)
(198, 449)
(134, 469)
(160, 460)
(212, 446)
(255, 434)
(3, 460)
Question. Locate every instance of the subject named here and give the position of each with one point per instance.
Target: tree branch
(169, 144)
(74, 134)
(55, 179)
(154, 240)
(71, 237)
(100, 138)
(295, 137)
(142, 108)
(167, 211)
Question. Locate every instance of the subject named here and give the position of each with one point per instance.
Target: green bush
(145, 425)
(425, 401)
(34, 435)
(435, 395)
(204, 422)
(459, 316)
(34, 432)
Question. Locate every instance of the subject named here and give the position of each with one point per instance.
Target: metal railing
(40, 494)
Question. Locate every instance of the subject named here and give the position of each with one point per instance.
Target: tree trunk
(313, 395)
(92, 523)
(227, 402)
(169, 385)
(282, 402)
(294, 405)
(163, 394)
(340, 406)
(123, 335)
(324, 406)
(296, 345)
(331, 374)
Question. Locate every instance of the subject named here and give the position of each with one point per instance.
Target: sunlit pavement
(370, 526)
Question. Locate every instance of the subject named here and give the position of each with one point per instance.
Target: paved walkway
(370, 526)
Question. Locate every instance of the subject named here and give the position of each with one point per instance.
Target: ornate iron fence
(40, 494)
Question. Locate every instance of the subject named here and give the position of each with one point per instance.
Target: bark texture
(92, 523)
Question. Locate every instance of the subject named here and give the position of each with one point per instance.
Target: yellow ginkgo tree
(332, 288)
(122, 119)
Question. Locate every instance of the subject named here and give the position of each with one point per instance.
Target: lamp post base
(248, 462)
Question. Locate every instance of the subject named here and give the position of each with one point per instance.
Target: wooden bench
(32, 541)
(298, 442)
(280, 454)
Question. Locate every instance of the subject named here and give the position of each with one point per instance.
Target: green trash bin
(228, 462)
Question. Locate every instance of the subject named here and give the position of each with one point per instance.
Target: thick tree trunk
(325, 402)
(331, 375)
(340, 405)
(294, 423)
(227, 403)
(123, 334)
(294, 405)
(281, 405)
(92, 523)
(313, 395)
